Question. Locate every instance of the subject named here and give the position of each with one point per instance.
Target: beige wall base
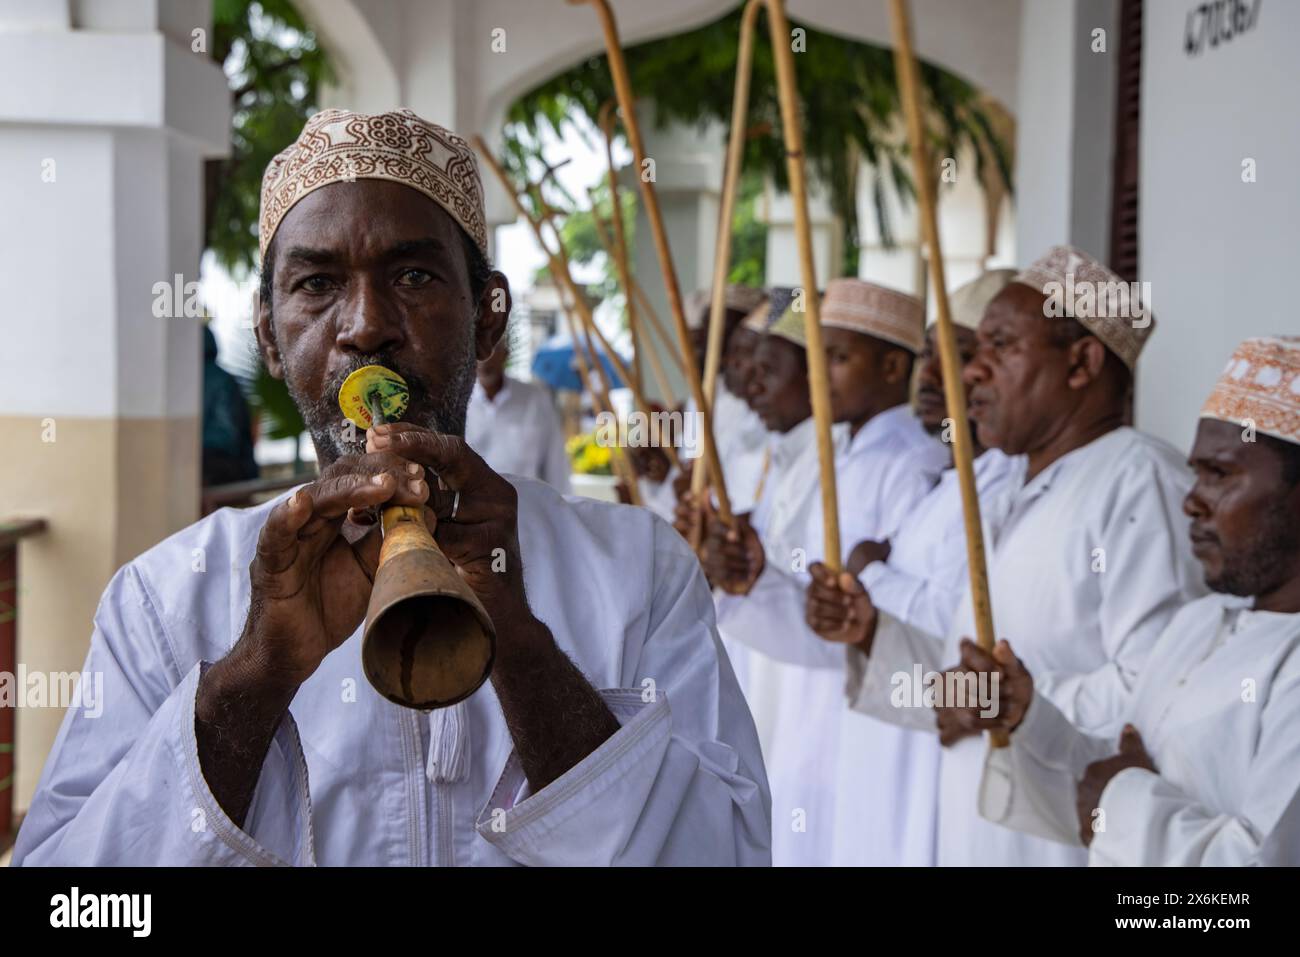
(108, 489)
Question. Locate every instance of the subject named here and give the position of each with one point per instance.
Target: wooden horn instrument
(428, 641)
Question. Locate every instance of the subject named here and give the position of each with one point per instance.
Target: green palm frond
(849, 95)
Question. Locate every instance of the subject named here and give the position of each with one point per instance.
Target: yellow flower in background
(588, 458)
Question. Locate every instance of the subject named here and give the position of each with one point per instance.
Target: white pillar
(962, 231)
(782, 244)
(1065, 121)
(106, 114)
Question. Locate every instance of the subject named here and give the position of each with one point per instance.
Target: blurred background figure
(227, 425)
(514, 425)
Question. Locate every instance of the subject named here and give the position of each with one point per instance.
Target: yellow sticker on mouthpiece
(360, 387)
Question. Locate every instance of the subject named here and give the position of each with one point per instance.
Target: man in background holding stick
(514, 425)
(1088, 557)
(1207, 769)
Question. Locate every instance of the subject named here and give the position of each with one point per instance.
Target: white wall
(1220, 254)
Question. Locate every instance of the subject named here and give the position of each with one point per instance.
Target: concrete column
(106, 113)
(782, 244)
(1065, 121)
(963, 222)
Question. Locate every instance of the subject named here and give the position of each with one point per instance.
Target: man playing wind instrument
(238, 727)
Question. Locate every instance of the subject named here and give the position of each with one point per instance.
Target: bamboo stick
(629, 376)
(626, 102)
(585, 352)
(722, 248)
(818, 384)
(954, 391)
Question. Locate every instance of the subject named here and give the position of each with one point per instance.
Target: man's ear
(493, 315)
(1087, 357)
(266, 344)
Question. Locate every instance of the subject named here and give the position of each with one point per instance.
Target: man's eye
(315, 283)
(413, 277)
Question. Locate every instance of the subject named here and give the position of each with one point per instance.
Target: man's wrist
(243, 680)
(863, 644)
(520, 636)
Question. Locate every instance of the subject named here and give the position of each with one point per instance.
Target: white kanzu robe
(1218, 708)
(742, 446)
(519, 432)
(882, 471)
(887, 806)
(1087, 563)
(351, 778)
(779, 516)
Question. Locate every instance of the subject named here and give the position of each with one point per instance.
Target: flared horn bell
(428, 641)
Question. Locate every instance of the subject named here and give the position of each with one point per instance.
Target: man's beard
(1256, 567)
(438, 409)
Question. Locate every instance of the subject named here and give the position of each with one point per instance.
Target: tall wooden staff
(722, 248)
(818, 384)
(626, 103)
(954, 393)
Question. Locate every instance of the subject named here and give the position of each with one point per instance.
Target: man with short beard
(1207, 770)
(238, 727)
(1087, 553)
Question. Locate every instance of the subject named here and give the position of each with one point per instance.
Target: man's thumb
(1130, 741)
